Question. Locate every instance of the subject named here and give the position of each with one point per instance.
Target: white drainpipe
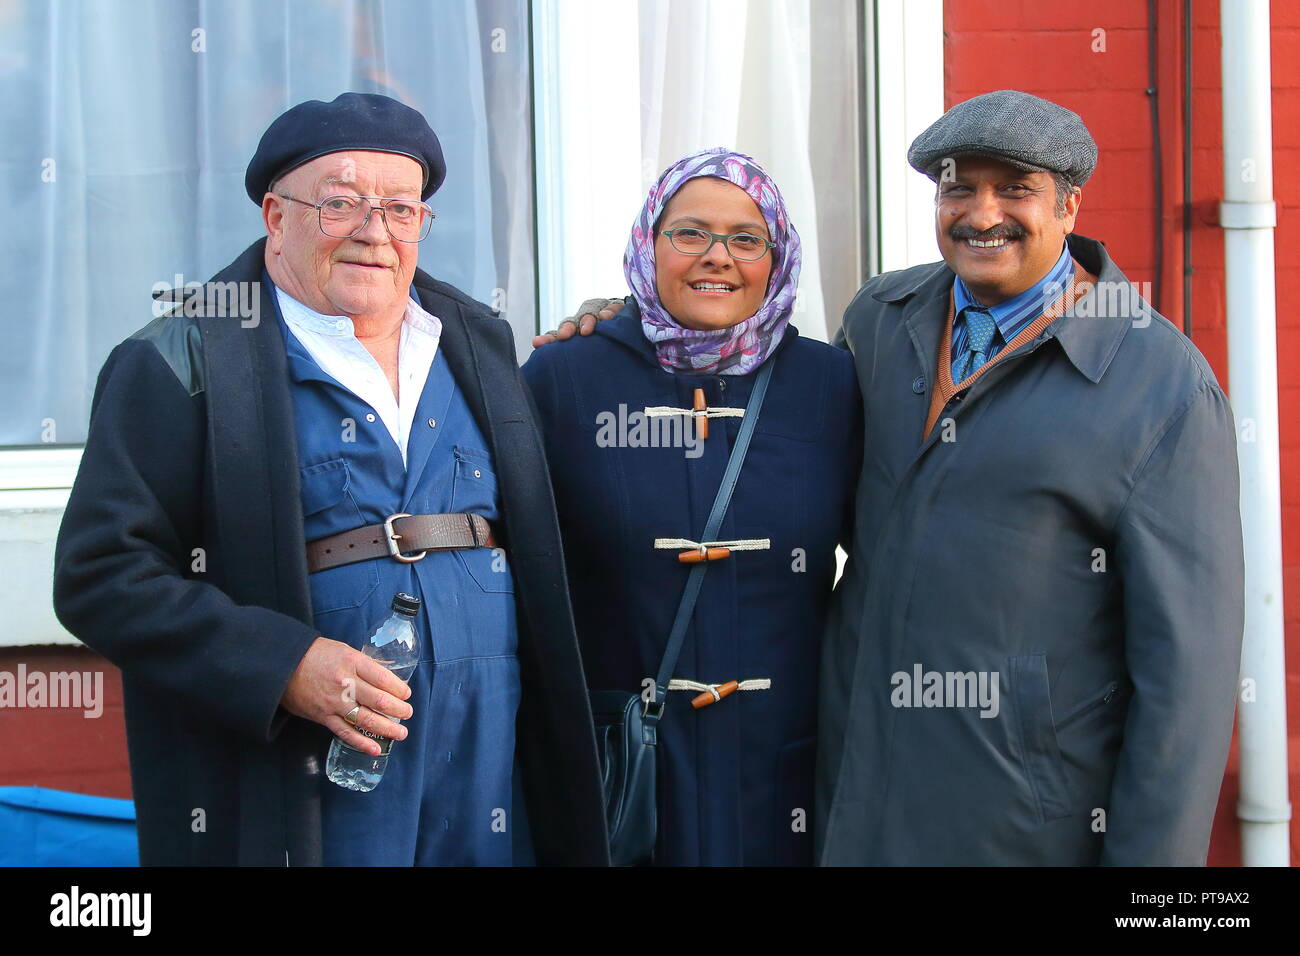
(1248, 216)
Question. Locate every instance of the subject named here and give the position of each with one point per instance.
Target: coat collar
(249, 408)
(1090, 333)
(625, 328)
(457, 344)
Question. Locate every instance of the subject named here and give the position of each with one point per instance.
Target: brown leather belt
(422, 533)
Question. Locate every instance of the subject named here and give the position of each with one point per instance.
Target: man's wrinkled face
(998, 227)
(369, 274)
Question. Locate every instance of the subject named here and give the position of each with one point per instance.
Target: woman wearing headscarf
(713, 266)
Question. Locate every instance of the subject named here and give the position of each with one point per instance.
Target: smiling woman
(707, 329)
(713, 265)
(705, 283)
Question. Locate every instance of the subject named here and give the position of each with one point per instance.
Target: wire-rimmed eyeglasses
(342, 217)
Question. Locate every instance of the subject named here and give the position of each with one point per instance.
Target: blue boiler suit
(446, 795)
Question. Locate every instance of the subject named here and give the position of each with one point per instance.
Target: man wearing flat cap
(253, 495)
(1033, 653)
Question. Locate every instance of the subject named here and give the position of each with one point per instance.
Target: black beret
(1022, 130)
(364, 121)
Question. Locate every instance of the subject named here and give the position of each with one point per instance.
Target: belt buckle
(391, 536)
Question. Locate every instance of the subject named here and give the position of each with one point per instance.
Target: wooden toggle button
(714, 695)
(701, 421)
(695, 557)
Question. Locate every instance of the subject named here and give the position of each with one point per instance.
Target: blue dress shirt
(1012, 315)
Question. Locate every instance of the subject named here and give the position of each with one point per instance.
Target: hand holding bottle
(332, 678)
(393, 647)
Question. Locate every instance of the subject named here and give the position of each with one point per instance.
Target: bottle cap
(406, 603)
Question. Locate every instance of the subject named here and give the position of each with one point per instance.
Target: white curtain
(127, 127)
(777, 79)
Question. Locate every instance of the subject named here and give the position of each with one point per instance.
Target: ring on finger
(351, 715)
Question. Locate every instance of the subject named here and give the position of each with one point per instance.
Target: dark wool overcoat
(192, 446)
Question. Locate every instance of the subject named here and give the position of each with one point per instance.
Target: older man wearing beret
(1034, 651)
(252, 496)
(1032, 656)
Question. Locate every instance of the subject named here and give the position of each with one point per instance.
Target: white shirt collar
(332, 343)
(342, 325)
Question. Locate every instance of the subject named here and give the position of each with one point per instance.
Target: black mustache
(962, 233)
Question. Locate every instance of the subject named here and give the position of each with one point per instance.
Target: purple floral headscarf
(743, 347)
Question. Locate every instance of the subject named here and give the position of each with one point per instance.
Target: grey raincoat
(1032, 657)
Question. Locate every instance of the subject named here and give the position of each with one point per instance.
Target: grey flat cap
(1022, 130)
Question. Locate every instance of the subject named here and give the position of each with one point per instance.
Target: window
(129, 124)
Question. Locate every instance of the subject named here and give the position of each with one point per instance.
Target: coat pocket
(1095, 702)
(1040, 754)
(329, 508)
(474, 491)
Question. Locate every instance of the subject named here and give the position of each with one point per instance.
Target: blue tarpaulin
(40, 827)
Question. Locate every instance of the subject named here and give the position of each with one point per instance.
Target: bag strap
(677, 637)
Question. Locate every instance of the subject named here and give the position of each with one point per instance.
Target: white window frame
(34, 486)
(904, 198)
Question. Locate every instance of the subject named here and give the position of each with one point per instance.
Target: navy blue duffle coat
(735, 777)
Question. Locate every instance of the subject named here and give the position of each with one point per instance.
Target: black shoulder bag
(627, 724)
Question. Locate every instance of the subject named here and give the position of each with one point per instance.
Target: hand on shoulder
(582, 322)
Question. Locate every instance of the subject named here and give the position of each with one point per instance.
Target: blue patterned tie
(980, 332)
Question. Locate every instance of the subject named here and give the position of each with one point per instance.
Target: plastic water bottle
(396, 645)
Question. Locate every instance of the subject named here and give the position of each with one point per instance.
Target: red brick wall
(62, 748)
(1048, 49)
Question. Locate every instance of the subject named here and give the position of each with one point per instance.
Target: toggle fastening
(711, 550)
